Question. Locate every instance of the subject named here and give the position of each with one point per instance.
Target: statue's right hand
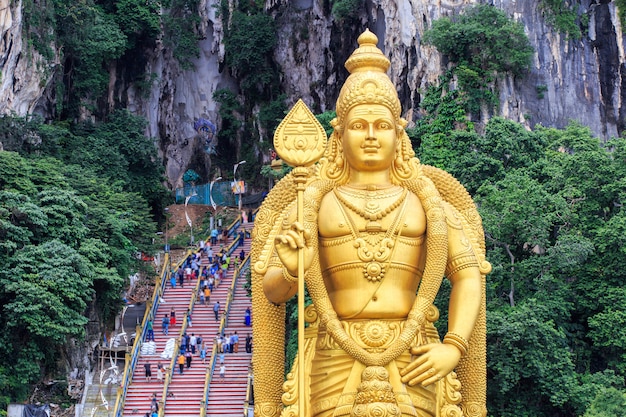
(287, 245)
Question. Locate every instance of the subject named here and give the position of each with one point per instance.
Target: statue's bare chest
(392, 213)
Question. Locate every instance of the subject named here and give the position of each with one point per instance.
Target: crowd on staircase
(212, 266)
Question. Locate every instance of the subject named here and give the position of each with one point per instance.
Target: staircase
(185, 393)
(227, 395)
(140, 391)
(187, 390)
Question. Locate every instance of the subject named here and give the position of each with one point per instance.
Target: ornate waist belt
(374, 335)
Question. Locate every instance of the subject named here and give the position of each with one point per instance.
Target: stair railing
(132, 358)
(232, 228)
(176, 352)
(249, 395)
(211, 368)
(172, 368)
(207, 377)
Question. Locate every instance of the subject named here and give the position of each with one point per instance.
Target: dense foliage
(249, 115)
(552, 207)
(563, 16)
(74, 213)
(346, 9)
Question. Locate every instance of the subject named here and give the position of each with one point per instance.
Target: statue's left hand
(435, 361)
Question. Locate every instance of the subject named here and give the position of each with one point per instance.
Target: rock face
(178, 98)
(24, 74)
(569, 79)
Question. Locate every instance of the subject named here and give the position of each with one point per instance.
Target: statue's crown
(368, 82)
(367, 57)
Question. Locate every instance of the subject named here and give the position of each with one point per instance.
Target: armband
(459, 263)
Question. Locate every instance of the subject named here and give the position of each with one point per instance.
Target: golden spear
(300, 141)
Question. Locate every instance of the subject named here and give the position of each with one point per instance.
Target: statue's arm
(465, 300)
(436, 360)
(280, 282)
(463, 273)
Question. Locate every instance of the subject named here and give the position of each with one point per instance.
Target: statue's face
(369, 137)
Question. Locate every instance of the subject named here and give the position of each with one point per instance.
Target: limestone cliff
(24, 74)
(579, 79)
(582, 79)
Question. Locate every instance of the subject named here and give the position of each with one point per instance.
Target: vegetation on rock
(481, 44)
(91, 37)
(562, 15)
(250, 117)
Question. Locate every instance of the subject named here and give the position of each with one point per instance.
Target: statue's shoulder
(458, 202)
(450, 189)
(277, 206)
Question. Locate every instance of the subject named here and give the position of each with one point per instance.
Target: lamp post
(167, 220)
(187, 215)
(237, 183)
(211, 192)
(213, 202)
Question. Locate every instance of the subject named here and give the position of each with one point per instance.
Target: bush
(484, 39)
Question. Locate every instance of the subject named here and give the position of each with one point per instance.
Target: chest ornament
(374, 248)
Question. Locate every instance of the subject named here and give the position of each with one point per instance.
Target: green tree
(552, 207)
(272, 114)
(49, 301)
(608, 403)
(346, 9)
(91, 40)
(484, 39)
(65, 214)
(529, 361)
(230, 112)
(139, 20)
(249, 43)
(20, 222)
(69, 235)
(482, 43)
(560, 14)
(44, 291)
(325, 119)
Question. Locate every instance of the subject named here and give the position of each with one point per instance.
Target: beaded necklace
(369, 194)
(372, 210)
(373, 248)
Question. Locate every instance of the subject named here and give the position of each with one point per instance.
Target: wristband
(288, 277)
(457, 341)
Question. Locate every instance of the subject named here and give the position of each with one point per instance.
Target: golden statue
(379, 231)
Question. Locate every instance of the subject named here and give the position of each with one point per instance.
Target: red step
(227, 396)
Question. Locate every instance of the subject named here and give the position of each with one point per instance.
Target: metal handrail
(209, 372)
(130, 362)
(132, 358)
(168, 375)
(246, 402)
